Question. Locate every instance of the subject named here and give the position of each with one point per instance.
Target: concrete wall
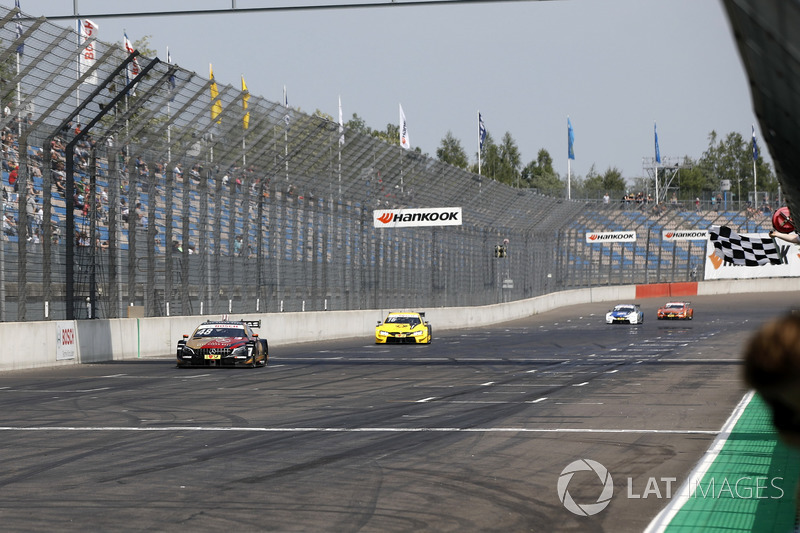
(38, 344)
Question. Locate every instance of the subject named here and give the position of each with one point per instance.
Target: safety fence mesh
(187, 196)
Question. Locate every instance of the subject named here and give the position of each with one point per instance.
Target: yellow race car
(406, 327)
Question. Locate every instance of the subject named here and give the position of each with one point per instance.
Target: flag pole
(569, 179)
(755, 156)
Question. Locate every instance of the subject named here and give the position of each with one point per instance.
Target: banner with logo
(715, 268)
(87, 57)
(65, 340)
(672, 235)
(406, 218)
(599, 237)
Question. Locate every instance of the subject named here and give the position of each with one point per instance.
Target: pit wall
(40, 344)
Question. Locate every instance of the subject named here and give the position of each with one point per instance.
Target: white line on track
(365, 430)
(47, 391)
(424, 400)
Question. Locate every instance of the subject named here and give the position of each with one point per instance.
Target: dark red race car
(228, 343)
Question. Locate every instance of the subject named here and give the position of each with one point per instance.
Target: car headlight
(417, 333)
(383, 333)
(241, 350)
(188, 351)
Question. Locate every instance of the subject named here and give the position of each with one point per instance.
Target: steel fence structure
(132, 182)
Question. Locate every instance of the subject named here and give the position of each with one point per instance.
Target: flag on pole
(341, 123)
(741, 250)
(658, 153)
(133, 67)
(21, 45)
(755, 144)
(171, 81)
(216, 106)
(570, 140)
(285, 107)
(86, 59)
(245, 98)
(481, 132)
(404, 141)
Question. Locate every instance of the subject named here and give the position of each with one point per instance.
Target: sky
(614, 67)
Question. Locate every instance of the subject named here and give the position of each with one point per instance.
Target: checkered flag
(744, 251)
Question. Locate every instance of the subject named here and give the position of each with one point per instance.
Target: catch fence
(138, 183)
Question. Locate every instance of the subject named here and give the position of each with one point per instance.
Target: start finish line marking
(367, 430)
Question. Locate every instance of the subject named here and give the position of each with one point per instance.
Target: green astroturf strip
(751, 484)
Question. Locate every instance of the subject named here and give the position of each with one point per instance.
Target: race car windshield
(625, 309)
(674, 306)
(219, 332)
(410, 320)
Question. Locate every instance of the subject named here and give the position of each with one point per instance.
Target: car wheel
(266, 352)
(430, 335)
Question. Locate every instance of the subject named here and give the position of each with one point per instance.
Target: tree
(510, 161)
(539, 174)
(732, 159)
(358, 125)
(611, 181)
(451, 152)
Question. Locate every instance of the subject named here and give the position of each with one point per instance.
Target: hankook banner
(598, 237)
(684, 235)
(406, 218)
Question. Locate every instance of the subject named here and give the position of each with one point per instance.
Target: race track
(470, 433)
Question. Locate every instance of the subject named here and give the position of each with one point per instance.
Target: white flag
(88, 56)
(133, 67)
(404, 142)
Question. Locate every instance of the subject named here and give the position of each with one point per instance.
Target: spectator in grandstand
(178, 171)
(194, 172)
(12, 177)
(697, 204)
(237, 245)
(82, 239)
(9, 225)
(77, 201)
(124, 209)
(55, 231)
(38, 216)
(30, 212)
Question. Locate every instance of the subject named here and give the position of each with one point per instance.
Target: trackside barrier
(54, 343)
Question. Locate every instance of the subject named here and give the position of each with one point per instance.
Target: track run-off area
(470, 433)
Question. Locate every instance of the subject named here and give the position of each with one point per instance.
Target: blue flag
(570, 140)
(755, 144)
(481, 132)
(658, 153)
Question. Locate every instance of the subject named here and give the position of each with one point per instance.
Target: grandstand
(164, 207)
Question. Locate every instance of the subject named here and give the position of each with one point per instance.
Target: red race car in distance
(675, 311)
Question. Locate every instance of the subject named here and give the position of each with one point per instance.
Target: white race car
(625, 314)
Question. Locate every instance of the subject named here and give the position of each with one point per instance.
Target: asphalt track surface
(470, 433)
